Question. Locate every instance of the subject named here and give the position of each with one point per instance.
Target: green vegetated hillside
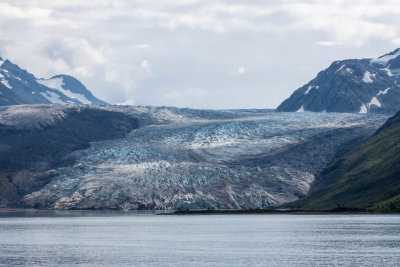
(367, 177)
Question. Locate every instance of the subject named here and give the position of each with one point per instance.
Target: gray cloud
(208, 54)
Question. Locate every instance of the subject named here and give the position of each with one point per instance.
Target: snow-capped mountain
(389, 62)
(17, 86)
(353, 85)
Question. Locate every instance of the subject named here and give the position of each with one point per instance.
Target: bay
(145, 239)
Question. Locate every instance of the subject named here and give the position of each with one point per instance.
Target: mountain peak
(72, 88)
(393, 53)
(352, 85)
(18, 86)
(390, 60)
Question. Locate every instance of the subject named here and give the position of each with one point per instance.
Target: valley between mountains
(168, 158)
(62, 148)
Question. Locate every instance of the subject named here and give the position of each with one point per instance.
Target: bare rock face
(168, 158)
(353, 85)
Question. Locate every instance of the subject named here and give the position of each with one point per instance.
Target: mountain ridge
(366, 177)
(351, 85)
(18, 86)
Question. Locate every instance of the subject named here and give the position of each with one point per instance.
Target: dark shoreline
(91, 212)
(272, 212)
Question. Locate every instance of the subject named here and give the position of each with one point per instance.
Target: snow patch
(385, 59)
(363, 109)
(301, 109)
(395, 71)
(309, 89)
(388, 72)
(367, 77)
(58, 83)
(5, 82)
(339, 69)
(52, 97)
(374, 101)
(55, 83)
(384, 92)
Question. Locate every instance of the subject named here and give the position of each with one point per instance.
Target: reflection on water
(75, 213)
(142, 238)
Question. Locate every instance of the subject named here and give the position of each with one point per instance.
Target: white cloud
(75, 55)
(396, 41)
(8, 11)
(128, 76)
(327, 43)
(145, 64)
(241, 70)
(352, 23)
(109, 45)
(142, 46)
(186, 95)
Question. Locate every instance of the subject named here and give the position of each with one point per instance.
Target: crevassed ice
(212, 160)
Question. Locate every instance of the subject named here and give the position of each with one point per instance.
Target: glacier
(195, 159)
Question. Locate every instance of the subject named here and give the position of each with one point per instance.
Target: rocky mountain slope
(17, 86)
(114, 157)
(354, 85)
(366, 177)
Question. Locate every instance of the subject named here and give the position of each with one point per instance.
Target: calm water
(231, 240)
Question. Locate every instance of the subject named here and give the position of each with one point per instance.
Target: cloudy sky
(192, 53)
